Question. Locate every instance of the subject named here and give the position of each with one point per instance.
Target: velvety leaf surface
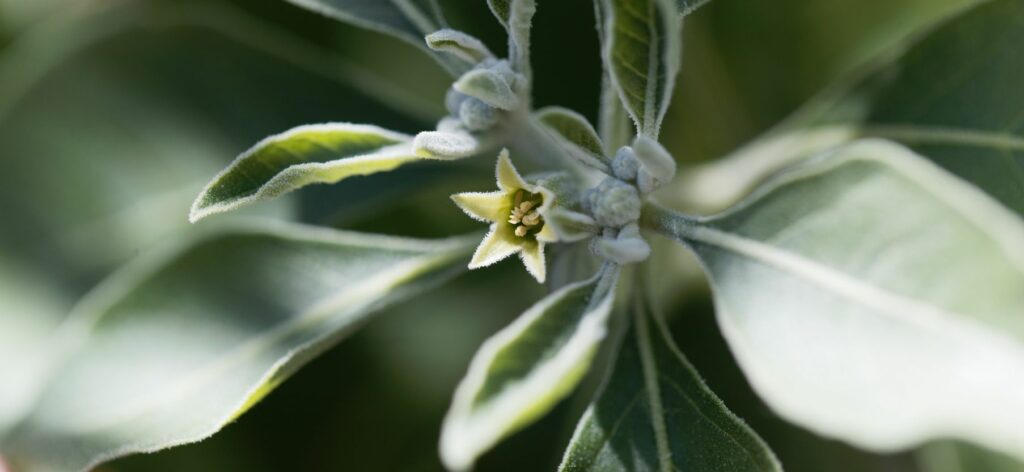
(517, 18)
(521, 372)
(642, 47)
(409, 20)
(575, 134)
(870, 296)
(185, 339)
(655, 413)
(137, 147)
(302, 156)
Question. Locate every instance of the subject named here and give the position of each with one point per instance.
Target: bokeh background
(115, 113)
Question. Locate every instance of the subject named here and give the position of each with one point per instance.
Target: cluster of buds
(610, 211)
(478, 100)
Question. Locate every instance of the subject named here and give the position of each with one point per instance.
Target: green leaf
(575, 134)
(490, 87)
(953, 95)
(655, 413)
(689, 6)
(136, 146)
(520, 373)
(409, 20)
(31, 308)
(302, 156)
(186, 339)
(951, 456)
(868, 295)
(517, 18)
(462, 45)
(642, 47)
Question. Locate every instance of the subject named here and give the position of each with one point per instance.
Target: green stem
(650, 371)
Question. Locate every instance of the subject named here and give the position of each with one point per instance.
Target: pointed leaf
(575, 134)
(460, 44)
(871, 296)
(655, 413)
(490, 87)
(642, 47)
(186, 339)
(517, 18)
(302, 156)
(409, 20)
(520, 373)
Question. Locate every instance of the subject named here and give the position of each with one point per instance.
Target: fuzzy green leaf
(517, 18)
(655, 413)
(642, 45)
(409, 20)
(871, 296)
(302, 156)
(186, 339)
(490, 87)
(576, 134)
(520, 373)
(462, 45)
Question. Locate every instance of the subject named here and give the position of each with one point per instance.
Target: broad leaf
(186, 339)
(655, 413)
(576, 135)
(952, 96)
(136, 147)
(520, 373)
(302, 156)
(409, 20)
(870, 296)
(31, 307)
(642, 47)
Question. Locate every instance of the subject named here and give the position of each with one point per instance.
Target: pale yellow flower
(516, 213)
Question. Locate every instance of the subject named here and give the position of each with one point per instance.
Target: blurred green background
(114, 114)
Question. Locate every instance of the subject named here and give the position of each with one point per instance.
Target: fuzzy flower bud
(625, 165)
(477, 115)
(613, 203)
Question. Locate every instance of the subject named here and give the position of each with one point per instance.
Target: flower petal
(508, 177)
(533, 258)
(497, 245)
(484, 206)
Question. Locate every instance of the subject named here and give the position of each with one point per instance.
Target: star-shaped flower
(516, 213)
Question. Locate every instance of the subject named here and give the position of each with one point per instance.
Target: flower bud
(477, 115)
(625, 165)
(614, 203)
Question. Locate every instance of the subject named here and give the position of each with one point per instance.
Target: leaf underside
(182, 341)
(868, 295)
(409, 20)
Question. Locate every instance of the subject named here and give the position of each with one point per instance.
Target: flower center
(524, 214)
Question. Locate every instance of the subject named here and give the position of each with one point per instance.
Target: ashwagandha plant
(868, 273)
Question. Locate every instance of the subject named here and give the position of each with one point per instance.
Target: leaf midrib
(878, 299)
